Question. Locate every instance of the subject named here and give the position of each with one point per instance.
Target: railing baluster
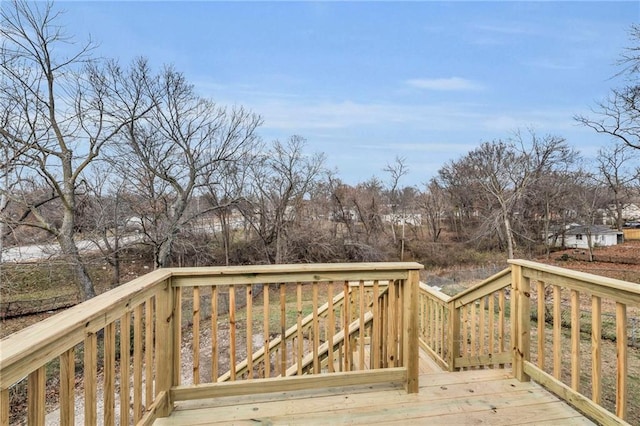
(316, 328)
(331, 326)
(67, 387)
(481, 327)
(109, 373)
(375, 332)
(596, 350)
(492, 319)
(4, 407)
(557, 332)
(575, 340)
(137, 363)
(36, 396)
(541, 324)
(176, 351)
(232, 331)
(299, 331)
(125, 366)
(249, 330)
(345, 326)
(621, 355)
(501, 321)
(149, 333)
(361, 331)
(267, 338)
(473, 329)
(90, 378)
(195, 345)
(465, 332)
(214, 334)
(283, 329)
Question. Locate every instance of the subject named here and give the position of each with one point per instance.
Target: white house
(601, 236)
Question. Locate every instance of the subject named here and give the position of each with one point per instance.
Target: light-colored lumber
(195, 345)
(4, 407)
(109, 404)
(541, 324)
(214, 331)
(125, 367)
(282, 384)
(610, 288)
(265, 327)
(575, 340)
(90, 378)
(232, 330)
(557, 332)
(36, 397)
(596, 349)
(137, 363)
(67, 387)
(34, 346)
(622, 391)
(149, 350)
(576, 399)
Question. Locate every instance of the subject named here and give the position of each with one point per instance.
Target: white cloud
(444, 84)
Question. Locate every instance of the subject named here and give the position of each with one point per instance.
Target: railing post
(454, 335)
(410, 331)
(520, 321)
(164, 346)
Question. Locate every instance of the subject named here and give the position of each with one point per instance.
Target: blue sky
(365, 82)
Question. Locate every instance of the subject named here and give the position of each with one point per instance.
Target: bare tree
(433, 203)
(503, 174)
(183, 145)
(280, 180)
(619, 115)
(396, 170)
(63, 114)
(616, 166)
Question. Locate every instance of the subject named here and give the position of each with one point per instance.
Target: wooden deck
(468, 397)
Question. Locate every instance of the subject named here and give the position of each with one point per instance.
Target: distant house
(630, 212)
(601, 236)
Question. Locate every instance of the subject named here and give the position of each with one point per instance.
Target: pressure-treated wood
(541, 324)
(4, 407)
(90, 378)
(35, 397)
(109, 373)
(444, 398)
(596, 351)
(67, 387)
(557, 332)
(125, 367)
(195, 368)
(575, 340)
(621, 362)
(137, 363)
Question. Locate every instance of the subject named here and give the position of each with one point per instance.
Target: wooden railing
(475, 321)
(567, 355)
(549, 324)
(189, 333)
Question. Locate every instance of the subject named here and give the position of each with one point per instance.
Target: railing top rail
(37, 344)
(595, 284)
(435, 293)
(477, 290)
(263, 274)
(294, 268)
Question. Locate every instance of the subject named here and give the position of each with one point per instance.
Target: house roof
(592, 229)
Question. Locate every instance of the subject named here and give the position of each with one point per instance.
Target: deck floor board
(467, 397)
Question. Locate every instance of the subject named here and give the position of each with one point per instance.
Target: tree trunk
(71, 253)
(509, 235)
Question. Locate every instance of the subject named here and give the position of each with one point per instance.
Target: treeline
(125, 154)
